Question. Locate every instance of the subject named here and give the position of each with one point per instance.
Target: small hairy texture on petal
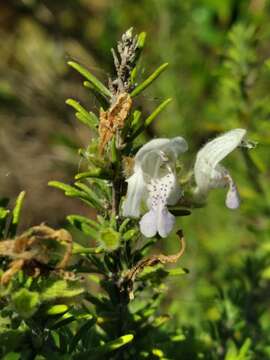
(136, 187)
(148, 223)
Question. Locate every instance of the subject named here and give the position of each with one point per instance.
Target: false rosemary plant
(64, 299)
(125, 272)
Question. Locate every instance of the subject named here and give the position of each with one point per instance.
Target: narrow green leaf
(71, 191)
(18, 207)
(65, 187)
(244, 352)
(83, 330)
(93, 173)
(87, 226)
(3, 218)
(149, 80)
(141, 40)
(156, 112)
(60, 289)
(12, 356)
(150, 118)
(133, 75)
(140, 46)
(104, 102)
(123, 226)
(158, 353)
(88, 118)
(102, 89)
(130, 234)
(81, 250)
(4, 213)
(73, 219)
(85, 120)
(63, 322)
(114, 152)
(16, 214)
(136, 118)
(90, 194)
(177, 271)
(57, 309)
(95, 353)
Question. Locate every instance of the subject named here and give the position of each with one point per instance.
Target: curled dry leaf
(35, 248)
(152, 260)
(113, 119)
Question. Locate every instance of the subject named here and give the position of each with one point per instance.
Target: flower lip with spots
(154, 180)
(208, 172)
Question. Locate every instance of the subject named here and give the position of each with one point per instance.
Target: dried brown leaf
(30, 250)
(113, 119)
(152, 260)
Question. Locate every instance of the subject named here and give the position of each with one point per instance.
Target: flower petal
(232, 197)
(212, 153)
(136, 188)
(175, 145)
(165, 222)
(158, 220)
(148, 223)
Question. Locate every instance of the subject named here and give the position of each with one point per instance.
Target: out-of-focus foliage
(219, 78)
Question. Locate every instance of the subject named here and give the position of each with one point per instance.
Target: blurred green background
(219, 78)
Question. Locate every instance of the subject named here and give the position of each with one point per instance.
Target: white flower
(210, 174)
(154, 180)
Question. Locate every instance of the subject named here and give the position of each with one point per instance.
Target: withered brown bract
(113, 119)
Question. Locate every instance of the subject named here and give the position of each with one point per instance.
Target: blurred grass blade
(90, 77)
(16, 213)
(149, 80)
